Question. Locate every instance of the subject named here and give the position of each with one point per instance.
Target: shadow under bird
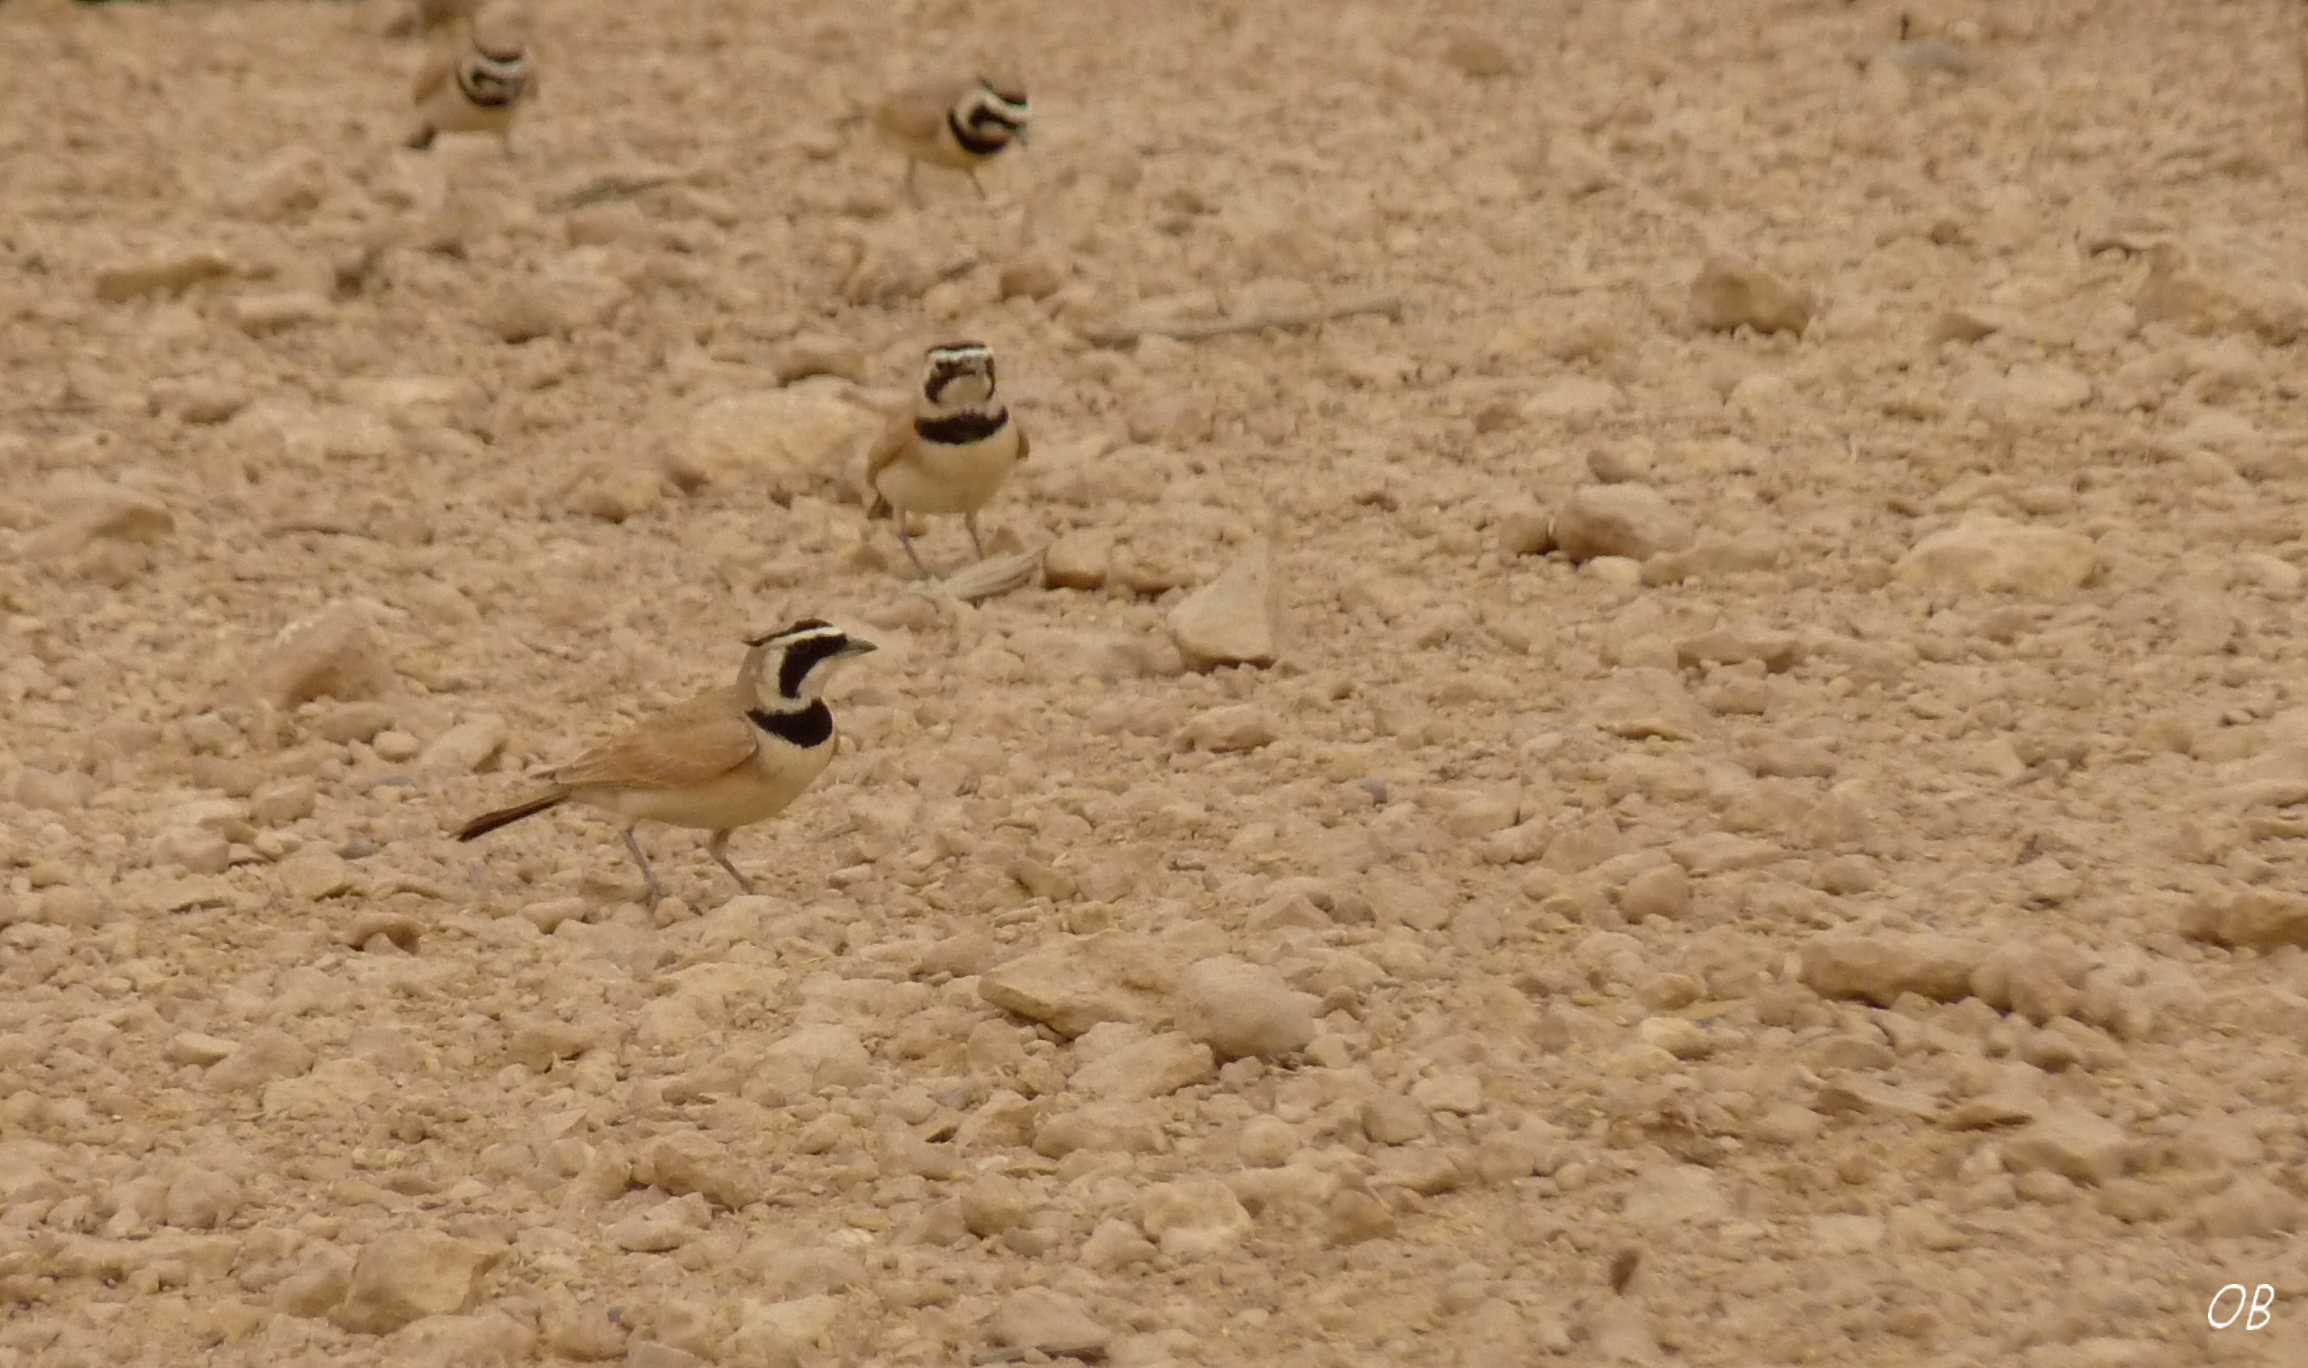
(952, 453)
(475, 86)
(957, 124)
(728, 758)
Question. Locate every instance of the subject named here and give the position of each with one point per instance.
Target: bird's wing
(886, 448)
(916, 112)
(432, 75)
(694, 742)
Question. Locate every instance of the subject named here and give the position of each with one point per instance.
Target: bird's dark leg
(718, 848)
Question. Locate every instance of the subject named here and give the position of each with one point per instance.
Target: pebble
(1233, 728)
(1234, 619)
(1986, 553)
(1634, 521)
(1393, 1119)
(335, 653)
(1049, 1322)
(465, 747)
(407, 1275)
(1728, 294)
(1078, 560)
(1243, 1010)
(801, 438)
(1879, 969)
(1061, 985)
(162, 273)
(2069, 1141)
(1154, 1067)
(1193, 1221)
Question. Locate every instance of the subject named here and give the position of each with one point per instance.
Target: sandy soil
(1757, 849)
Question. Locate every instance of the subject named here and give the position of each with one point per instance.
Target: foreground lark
(476, 85)
(953, 453)
(725, 759)
(953, 123)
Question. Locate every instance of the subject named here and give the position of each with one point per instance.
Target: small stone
(1236, 727)
(802, 438)
(1879, 969)
(1154, 1067)
(663, 1228)
(1459, 1093)
(262, 314)
(167, 273)
(691, 1161)
(616, 491)
(2257, 918)
(1987, 553)
(1037, 1318)
(201, 1199)
(1078, 560)
(1662, 892)
(1060, 985)
(992, 1204)
(314, 873)
(467, 746)
(1572, 397)
(192, 850)
(191, 1047)
(1479, 55)
(1234, 619)
(1393, 1119)
(785, 1334)
(1116, 1245)
(407, 1275)
(657, 1354)
(1032, 278)
(1267, 1141)
(1193, 1220)
(2250, 1207)
(1526, 530)
(2072, 1142)
(583, 1331)
(1243, 1010)
(813, 354)
(283, 801)
(395, 746)
(1352, 1216)
(1634, 521)
(1728, 294)
(335, 653)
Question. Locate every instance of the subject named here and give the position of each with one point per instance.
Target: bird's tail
(489, 821)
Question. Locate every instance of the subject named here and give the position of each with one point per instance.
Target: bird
(954, 123)
(475, 86)
(952, 453)
(725, 759)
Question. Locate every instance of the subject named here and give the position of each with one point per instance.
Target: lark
(957, 124)
(474, 86)
(727, 758)
(952, 453)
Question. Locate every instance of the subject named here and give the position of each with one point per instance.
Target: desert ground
(1672, 732)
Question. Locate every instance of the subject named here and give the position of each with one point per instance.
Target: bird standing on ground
(954, 123)
(475, 85)
(952, 453)
(725, 759)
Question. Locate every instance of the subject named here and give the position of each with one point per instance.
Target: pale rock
(1662, 892)
(334, 653)
(162, 273)
(194, 1048)
(407, 1275)
(1573, 397)
(810, 1058)
(803, 438)
(467, 746)
(1235, 619)
(283, 801)
(1684, 1194)
(1267, 1141)
(1243, 1010)
(1459, 1093)
(1351, 1216)
(1154, 1067)
(1679, 1037)
(1633, 521)
(582, 1331)
(84, 509)
(267, 1055)
(1037, 1318)
(1235, 727)
(662, 1228)
(785, 1334)
(1116, 1244)
(2250, 1207)
(1880, 968)
(1526, 530)
(548, 915)
(201, 1199)
(314, 873)
(192, 850)
(1992, 554)
(991, 1204)
(1080, 559)
(2258, 918)
(616, 491)
(1066, 985)
(1393, 1119)
(395, 746)
(259, 315)
(690, 1161)
(2076, 1144)
(1194, 1220)
(1728, 294)
(1112, 1127)
(318, 1285)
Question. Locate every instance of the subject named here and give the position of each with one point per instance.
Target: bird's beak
(858, 646)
